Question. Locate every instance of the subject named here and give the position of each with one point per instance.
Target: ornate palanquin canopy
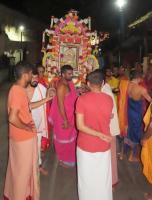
(69, 40)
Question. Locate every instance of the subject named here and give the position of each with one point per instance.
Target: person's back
(97, 109)
(93, 115)
(135, 95)
(135, 91)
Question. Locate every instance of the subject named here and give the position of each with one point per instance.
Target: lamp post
(121, 4)
(21, 28)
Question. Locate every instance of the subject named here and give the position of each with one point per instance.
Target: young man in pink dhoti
(22, 171)
(63, 118)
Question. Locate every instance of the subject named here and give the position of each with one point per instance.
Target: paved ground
(60, 184)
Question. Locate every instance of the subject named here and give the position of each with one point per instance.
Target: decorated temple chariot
(69, 40)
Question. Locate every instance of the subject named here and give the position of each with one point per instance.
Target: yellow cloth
(147, 117)
(146, 153)
(114, 84)
(122, 107)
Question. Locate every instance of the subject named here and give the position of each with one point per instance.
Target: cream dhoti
(22, 172)
(94, 175)
(39, 116)
(114, 130)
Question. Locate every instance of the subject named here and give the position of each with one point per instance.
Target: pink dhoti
(22, 173)
(65, 139)
(66, 152)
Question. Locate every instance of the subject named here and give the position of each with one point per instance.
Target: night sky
(105, 15)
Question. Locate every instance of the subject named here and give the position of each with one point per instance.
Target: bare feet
(148, 196)
(43, 171)
(114, 186)
(120, 156)
(65, 165)
(133, 159)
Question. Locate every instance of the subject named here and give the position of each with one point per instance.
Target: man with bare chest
(62, 116)
(135, 95)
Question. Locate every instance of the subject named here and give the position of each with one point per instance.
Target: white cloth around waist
(94, 175)
(39, 114)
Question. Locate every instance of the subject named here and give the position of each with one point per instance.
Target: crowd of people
(115, 103)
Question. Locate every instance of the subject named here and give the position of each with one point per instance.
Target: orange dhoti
(122, 107)
(22, 172)
(146, 153)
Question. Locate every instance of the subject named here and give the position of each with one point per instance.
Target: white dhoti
(39, 138)
(94, 175)
(115, 130)
(39, 117)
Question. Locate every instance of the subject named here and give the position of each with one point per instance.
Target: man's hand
(30, 127)
(51, 92)
(115, 90)
(106, 138)
(65, 124)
